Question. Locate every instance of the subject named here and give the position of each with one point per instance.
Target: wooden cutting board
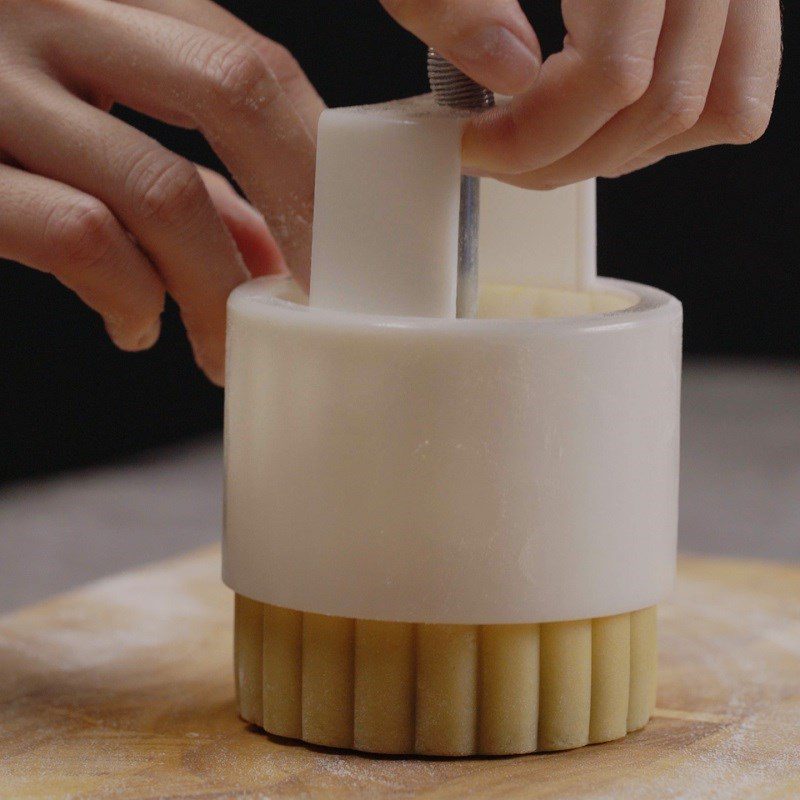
(124, 689)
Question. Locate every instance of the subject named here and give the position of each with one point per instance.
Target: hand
(113, 214)
(637, 80)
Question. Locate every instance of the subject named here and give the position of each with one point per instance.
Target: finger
(56, 229)
(684, 64)
(605, 66)
(280, 61)
(740, 100)
(162, 66)
(251, 234)
(156, 195)
(490, 40)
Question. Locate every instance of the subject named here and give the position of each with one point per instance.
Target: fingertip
(149, 336)
(133, 339)
(211, 360)
(214, 372)
(491, 41)
(499, 59)
(254, 241)
(247, 226)
(490, 143)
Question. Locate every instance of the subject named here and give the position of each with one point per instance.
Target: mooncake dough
(282, 665)
(247, 631)
(327, 680)
(447, 689)
(611, 669)
(644, 666)
(565, 684)
(509, 688)
(404, 688)
(385, 672)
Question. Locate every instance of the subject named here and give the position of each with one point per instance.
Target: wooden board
(124, 689)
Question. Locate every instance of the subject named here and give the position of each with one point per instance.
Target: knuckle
(746, 121)
(679, 109)
(236, 75)
(168, 189)
(283, 65)
(624, 78)
(81, 231)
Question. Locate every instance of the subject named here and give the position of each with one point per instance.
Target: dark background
(718, 228)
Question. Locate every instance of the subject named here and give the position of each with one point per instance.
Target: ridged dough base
(447, 690)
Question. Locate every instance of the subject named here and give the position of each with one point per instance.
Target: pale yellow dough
(509, 689)
(611, 669)
(392, 687)
(327, 675)
(447, 689)
(644, 665)
(385, 672)
(247, 656)
(282, 665)
(565, 685)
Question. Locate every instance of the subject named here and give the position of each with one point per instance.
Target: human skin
(121, 220)
(635, 81)
(113, 214)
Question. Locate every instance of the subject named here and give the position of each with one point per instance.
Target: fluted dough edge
(445, 690)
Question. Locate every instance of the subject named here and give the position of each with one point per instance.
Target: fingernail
(506, 64)
(260, 253)
(150, 336)
(128, 339)
(214, 371)
(116, 333)
(213, 368)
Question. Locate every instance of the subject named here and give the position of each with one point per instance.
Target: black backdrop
(719, 228)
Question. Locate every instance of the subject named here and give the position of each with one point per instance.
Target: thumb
(489, 40)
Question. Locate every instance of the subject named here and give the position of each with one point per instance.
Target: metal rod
(454, 89)
(468, 217)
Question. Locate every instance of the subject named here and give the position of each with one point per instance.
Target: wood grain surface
(124, 689)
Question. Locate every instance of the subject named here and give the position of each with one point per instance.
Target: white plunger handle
(386, 207)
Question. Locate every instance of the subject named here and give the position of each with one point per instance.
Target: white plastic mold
(385, 460)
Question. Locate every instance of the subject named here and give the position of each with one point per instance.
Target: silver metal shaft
(453, 88)
(468, 217)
